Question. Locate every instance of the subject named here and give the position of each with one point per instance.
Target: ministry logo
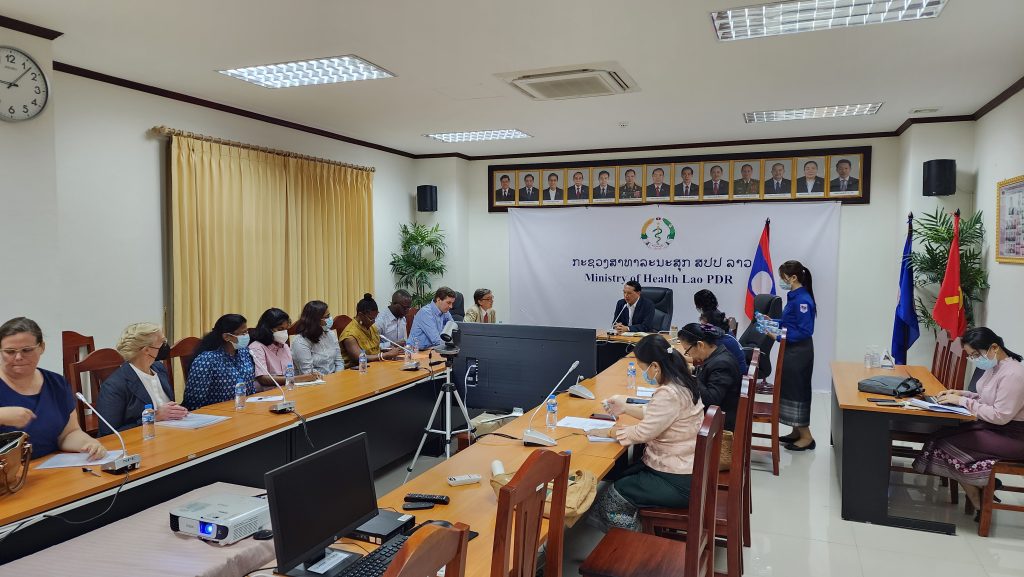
(658, 233)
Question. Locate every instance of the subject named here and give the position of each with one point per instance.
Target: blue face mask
(330, 323)
(243, 341)
(785, 285)
(647, 378)
(984, 363)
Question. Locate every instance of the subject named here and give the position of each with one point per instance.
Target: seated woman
(313, 347)
(967, 453)
(37, 401)
(716, 318)
(668, 425)
(270, 352)
(705, 300)
(222, 360)
(482, 310)
(718, 374)
(142, 380)
(361, 334)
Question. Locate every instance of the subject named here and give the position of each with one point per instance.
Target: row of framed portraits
(840, 174)
(1010, 220)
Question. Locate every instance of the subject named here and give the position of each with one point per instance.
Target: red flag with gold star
(949, 306)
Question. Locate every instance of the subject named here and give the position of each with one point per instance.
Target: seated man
(633, 313)
(431, 319)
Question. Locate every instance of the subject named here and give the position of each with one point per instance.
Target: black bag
(891, 386)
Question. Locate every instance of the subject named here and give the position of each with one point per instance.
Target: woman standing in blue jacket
(798, 363)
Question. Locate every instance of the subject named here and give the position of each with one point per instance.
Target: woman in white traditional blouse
(314, 348)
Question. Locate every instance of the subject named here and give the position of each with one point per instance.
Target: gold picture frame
(1010, 221)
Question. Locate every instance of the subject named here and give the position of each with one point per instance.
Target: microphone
(409, 364)
(285, 406)
(532, 437)
(125, 462)
(616, 319)
(406, 349)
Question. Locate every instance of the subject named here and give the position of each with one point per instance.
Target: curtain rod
(165, 131)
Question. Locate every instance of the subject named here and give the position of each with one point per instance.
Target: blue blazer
(643, 315)
(123, 397)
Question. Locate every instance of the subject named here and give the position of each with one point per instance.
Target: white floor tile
(879, 563)
(943, 547)
(784, 556)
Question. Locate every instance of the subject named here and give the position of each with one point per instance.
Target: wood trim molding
(32, 29)
(1000, 98)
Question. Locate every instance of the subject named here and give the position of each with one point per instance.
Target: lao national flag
(762, 277)
(949, 311)
(905, 328)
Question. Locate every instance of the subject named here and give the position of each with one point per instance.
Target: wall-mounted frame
(1009, 225)
(842, 174)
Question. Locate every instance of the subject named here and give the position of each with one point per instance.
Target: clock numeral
(10, 58)
(11, 110)
(35, 77)
(24, 109)
(38, 90)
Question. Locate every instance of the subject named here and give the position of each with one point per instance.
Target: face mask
(281, 337)
(330, 323)
(785, 285)
(243, 341)
(164, 353)
(647, 378)
(985, 363)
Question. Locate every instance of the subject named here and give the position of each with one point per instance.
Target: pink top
(669, 427)
(270, 360)
(1000, 396)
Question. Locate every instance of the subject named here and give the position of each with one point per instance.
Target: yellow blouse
(366, 339)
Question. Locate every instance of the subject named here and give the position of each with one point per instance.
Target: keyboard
(376, 563)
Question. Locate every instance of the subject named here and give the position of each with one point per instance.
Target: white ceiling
(446, 53)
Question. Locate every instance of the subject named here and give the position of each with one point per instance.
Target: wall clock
(24, 88)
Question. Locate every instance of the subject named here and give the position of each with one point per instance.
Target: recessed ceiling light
(318, 71)
(792, 17)
(477, 135)
(816, 112)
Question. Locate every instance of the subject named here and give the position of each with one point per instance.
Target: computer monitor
(315, 501)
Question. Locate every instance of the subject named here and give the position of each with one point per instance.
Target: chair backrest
(662, 322)
(185, 351)
(72, 344)
(741, 442)
(294, 329)
(734, 325)
(409, 318)
(699, 558)
(957, 366)
(522, 500)
(429, 549)
(662, 298)
(975, 376)
(940, 357)
(458, 310)
(99, 364)
(340, 322)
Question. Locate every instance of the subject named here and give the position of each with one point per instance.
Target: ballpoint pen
(90, 471)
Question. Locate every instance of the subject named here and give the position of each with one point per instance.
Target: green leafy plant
(934, 233)
(422, 257)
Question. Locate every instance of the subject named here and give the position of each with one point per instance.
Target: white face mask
(281, 337)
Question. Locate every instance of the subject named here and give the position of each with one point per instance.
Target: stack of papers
(193, 421)
(645, 392)
(61, 460)
(585, 424)
(939, 408)
(594, 439)
(265, 399)
(311, 383)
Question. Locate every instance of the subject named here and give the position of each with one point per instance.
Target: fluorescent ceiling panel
(479, 135)
(318, 71)
(815, 112)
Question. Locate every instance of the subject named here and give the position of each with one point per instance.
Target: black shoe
(794, 447)
(789, 438)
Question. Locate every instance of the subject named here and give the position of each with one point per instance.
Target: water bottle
(552, 416)
(240, 395)
(289, 377)
(362, 362)
(148, 423)
(415, 346)
(631, 376)
(867, 358)
(876, 357)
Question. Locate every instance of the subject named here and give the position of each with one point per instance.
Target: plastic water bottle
(876, 357)
(148, 423)
(240, 395)
(415, 346)
(867, 358)
(289, 377)
(362, 362)
(552, 417)
(631, 376)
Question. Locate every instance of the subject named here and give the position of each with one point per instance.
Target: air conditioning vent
(574, 83)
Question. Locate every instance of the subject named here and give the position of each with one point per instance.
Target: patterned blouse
(213, 376)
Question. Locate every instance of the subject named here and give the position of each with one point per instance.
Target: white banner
(567, 266)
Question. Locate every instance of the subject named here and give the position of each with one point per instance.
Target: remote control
(422, 497)
(415, 506)
(457, 480)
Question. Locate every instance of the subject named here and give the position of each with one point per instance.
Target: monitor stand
(331, 563)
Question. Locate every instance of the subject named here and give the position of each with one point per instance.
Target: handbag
(15, 453)
(891, 386)
(579, 496)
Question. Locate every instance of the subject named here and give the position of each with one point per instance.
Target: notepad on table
(595, 439)
(194, 421)
(61, 460)
(957, 409)
(645, 392)
(311, 383)
(583, 423)
(265, 399)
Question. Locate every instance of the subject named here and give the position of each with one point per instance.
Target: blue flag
(905, 328)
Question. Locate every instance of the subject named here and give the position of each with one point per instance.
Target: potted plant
(421, 258)
(934, 233)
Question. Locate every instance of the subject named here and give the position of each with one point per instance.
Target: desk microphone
(285, 406)
(406, 349)
(409, 364)
(532, 437)
(125, 462)
(616, 319)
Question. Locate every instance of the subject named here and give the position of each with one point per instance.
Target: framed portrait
(656, 182)
(631, 184)
(746, 179)
(504, 188)
(716, 180)
(778, 178)
(810, 177)
(577, 191)
(687, 182)
(603, 191)
(1009, 232)
(554, 187)
(844, 175)
(529, 193)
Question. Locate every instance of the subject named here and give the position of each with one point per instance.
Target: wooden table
(861, 439)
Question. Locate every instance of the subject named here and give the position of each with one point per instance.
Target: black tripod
(446, 393)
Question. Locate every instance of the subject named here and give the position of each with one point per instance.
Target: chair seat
(624, 553)
(681, 516)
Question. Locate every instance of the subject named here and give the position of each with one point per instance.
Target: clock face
(23, 86)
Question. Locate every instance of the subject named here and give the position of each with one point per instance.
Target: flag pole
(910, 234)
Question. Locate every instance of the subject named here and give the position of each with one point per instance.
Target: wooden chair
(988, 502)
(409, 317)
(99, 364)
(765, 412)
(956, 366)
(340, 322)
(72, 343)
(624, 553)
(522, 500)
(940, 357)
(185, 350)
(429, 549)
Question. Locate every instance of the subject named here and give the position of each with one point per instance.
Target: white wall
(451, 215)
(29, 226)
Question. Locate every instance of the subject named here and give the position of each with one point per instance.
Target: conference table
(861, 439)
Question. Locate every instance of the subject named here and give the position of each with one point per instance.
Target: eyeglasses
(487, 299)
(25, 351)
(160, 346)
(977, 355)
(687, 351)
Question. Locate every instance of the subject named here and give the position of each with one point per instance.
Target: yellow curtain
(252, 229)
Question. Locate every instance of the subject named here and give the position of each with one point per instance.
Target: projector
(222, 518)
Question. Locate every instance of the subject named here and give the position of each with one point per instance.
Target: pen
(90, 471)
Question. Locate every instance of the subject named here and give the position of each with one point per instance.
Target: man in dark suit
(811, 182)
(778, 184)
(633, 313)
(578, 190)
(844, 182)
(657, 188)
(716, 186)
(505, 194)
(552, 192)
(631, 190)
(529, 192)
(604, 190)
(687, 187)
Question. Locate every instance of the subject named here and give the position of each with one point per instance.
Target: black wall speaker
(426, 198)
(940, 177)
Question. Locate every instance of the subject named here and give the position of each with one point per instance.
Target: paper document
(645, 392)
(635, 334)
(77, 460)
(311, 383)
(939, 408)
(193, 421)
(585, 424)
(259, 399)
(594, 439)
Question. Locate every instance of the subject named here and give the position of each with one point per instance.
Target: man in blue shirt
(431, 319)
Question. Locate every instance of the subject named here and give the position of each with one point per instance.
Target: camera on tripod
(451, 336)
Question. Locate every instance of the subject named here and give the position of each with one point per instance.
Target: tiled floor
(797, 529)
